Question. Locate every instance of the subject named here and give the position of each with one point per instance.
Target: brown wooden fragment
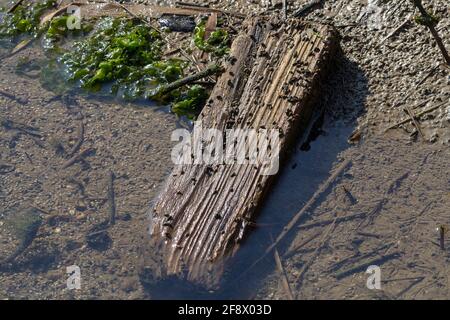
(203, 213)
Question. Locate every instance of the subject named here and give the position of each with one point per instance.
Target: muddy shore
(397, 188)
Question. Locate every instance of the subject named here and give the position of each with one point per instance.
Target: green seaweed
(125, 54)
(216, 44)
(191, 102)
(57, 29)
(24, 20)
(119, 54)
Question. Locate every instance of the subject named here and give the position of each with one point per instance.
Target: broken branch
(211, 70)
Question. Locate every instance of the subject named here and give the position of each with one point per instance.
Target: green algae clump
(126, 54)
(190, 102)
(216, 44)
(25, 19)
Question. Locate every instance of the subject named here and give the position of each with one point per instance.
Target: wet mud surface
(384, 209)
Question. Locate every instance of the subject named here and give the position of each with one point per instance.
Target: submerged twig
(12, 97)
(14, 6)
(365, 264)
(316, 252)
(80, 139)
(401, 26)
(359, 215)
(284, 279)
(77, 158)
(111, 198)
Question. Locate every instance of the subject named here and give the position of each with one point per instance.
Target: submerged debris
(122, 55)
(25, 226)
(177, 23)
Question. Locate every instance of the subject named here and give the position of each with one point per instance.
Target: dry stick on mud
(396, 30)
(417, 115)
(304, 211)
(428, 21)
(414, 121)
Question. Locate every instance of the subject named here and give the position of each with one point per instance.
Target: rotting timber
(270, 81)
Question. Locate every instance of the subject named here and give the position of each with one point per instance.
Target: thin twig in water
(401, 26)
(285, 15)
(325, 238)
(211, 70)
(13, 97)
(80, 139)
(14, 6)
(184, 53)
(111, 198)
(359, 215)
(364, 265)
(77, 158)
(283, 274)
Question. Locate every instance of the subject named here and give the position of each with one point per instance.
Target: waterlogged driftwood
(202, 215)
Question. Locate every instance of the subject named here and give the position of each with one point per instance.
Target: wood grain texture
(202, 215)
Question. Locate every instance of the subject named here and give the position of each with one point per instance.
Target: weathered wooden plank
(203, 213)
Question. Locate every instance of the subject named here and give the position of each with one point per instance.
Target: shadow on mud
(309, 165)
(342, 100)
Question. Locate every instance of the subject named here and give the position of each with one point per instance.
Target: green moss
(217, 43)
(25, 19)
